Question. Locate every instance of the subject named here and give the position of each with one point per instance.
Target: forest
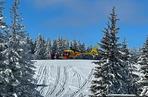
(118, 69)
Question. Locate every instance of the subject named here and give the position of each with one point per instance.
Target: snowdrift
(64, 78)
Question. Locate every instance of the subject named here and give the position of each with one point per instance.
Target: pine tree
(130, 86)
(89, 48)
(134, 69)
(82, 47)
(40, 48)
(19, 68)
(54, 49)
(109, 75)
(143, 61)
(31, 47)
(74, 46)
(3, 27)
(48, 49)
(60, 46)
(66, 44)
(3, 38)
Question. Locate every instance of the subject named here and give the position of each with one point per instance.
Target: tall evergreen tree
(82, 47)
(74, 46)
(143, 61)
(31, 47)
(54, 49)
(48, 49)
(62, 44)
(19, 68)
(109, 75)
(3, 38)
(40, 48)
(3, 27)
(99, 84)
(134, 67)
(130, 86)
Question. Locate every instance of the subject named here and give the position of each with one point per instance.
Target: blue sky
(84, 20)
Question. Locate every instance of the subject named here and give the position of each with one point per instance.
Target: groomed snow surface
(64, 78)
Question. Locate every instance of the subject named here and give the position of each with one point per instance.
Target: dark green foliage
(111, 73)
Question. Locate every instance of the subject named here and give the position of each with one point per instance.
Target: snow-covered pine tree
(40, 48)
(3, 27)
(130, 86)
(82, 47)
(135, 67)
(109, 77)
(3, 38)
(60, 46)
(99, 83)
(74, 45)
(48, 49)
(19, 68)
(89, 48)
(143, 61)
(31, 47)
(67, 44)
(32, 44)
(54, 49)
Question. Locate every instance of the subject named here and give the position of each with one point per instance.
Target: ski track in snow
(63, 86)
(83, 85)
(64, 78)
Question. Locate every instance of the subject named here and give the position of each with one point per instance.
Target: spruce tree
(60, 46)
(3, 27)
(143, 61)
(54, 49)
(40, 48)
(82, 47)
(99, 84)
(31, 47)
(130, 86)
(109, 75)
(19, 68)
(74, 45)
(134, 69)
(3, 38)
(48, 49)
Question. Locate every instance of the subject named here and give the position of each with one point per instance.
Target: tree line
(42, 49)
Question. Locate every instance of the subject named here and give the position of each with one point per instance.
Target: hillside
(64, 78)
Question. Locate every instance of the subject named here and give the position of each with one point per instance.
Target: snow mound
(64, 78)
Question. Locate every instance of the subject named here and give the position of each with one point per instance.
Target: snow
(2, 26)
(145, 91)
(64, 78)
(15, 95)
(121, 95)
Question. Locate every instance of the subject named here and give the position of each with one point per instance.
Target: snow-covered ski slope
(64, 78)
